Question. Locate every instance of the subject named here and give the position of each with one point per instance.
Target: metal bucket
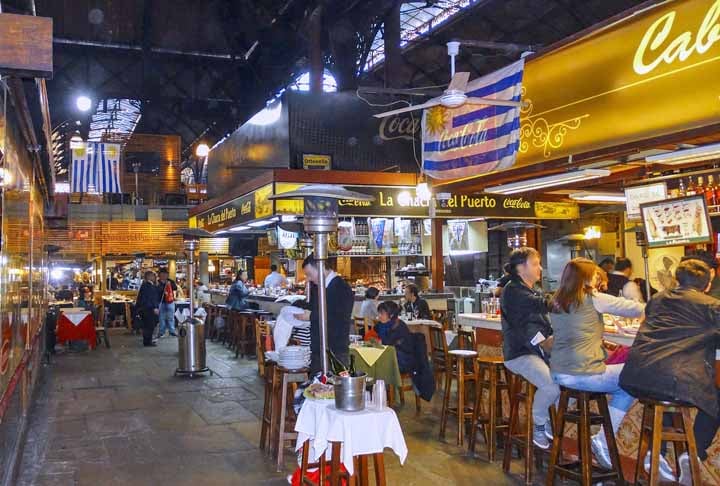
(191, 343)
(350, 393)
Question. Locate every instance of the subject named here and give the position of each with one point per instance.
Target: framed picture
(676, 222)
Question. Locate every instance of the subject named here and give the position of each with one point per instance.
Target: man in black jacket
(417, 307)
(526, 336)
(673, 356)
(340, 301)
(148, 306)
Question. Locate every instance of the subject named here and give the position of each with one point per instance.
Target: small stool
(266, 421)
(652, 433)
(222, 333)
(490, 371)
(283, 379)
(456, 370)
(521, 391)
(583, 470)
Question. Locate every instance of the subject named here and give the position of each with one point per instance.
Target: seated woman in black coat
(394, 332)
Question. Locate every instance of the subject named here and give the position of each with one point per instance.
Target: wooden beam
(26, 48)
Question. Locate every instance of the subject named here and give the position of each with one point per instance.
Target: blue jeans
(167, 318)
(607, 382)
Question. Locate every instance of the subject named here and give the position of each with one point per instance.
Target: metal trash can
(191, 344)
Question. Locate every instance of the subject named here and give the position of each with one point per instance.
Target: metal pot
(350, 393)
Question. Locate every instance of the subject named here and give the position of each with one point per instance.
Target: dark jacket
(420, 309)
(412, 356)
(616, 283)
(237, 296)
(148, 297)
(673, 356)
(715, 288)
(340, 301)
(524, 313)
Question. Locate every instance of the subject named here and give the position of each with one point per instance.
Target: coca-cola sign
(399, 127)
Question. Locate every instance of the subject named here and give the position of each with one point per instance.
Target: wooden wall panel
(152, 187)
(92, 239)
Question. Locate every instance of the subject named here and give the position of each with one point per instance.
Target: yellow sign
(556, 210)
(288, 206)
(263, 205)
(651, 74)
(317, 162)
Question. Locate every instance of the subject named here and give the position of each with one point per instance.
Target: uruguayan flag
(96, 168)
(474, 139)
(107, 158)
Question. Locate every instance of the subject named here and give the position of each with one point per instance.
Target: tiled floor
(119, 417)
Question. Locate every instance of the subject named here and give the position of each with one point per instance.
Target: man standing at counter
(274, 279)
(340, 301)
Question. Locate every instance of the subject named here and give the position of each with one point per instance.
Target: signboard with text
(448, 205)
(239, 210)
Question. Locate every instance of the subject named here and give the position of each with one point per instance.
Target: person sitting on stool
(673, 356)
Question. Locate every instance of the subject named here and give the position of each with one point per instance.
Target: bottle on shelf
(690, 191)
(710, 190)
(700, 187)
(681, 188)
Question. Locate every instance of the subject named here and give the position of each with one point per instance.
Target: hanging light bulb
(76, 141)
(423, 190)
(202, 150)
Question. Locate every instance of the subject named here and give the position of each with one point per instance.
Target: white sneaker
(600, 450)
(666, 472)
(549, 431)
(685, 472)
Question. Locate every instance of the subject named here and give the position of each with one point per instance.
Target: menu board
(676, 222)
(635, 196)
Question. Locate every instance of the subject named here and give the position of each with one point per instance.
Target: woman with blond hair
(578, 356)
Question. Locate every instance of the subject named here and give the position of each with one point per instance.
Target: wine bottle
(690, 191)
(336, 366)
(352, 366)
(681, 188)
(710, 197)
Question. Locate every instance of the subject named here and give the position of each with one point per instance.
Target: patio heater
(191, 332)
(320, 218)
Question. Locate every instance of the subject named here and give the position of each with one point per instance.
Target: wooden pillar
(204, 277)
(172, 268)
(317, 66)
(103, 276)
(436, 262)
(393, 53)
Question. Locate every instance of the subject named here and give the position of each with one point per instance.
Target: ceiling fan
(455, 95)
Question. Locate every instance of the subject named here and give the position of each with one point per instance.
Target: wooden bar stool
(521, 392)
(583, 470)
(652, 433)
(266, 420)
(263, 335)
(361, 476)
(244, 337)
(493, 378)
(223, 333)
(438, 354)
(461, 360)
(284, 384)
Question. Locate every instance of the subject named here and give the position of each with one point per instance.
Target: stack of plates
(294, 357)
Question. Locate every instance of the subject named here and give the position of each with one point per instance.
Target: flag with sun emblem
(107, 156)
(473, 139)
(95, 168)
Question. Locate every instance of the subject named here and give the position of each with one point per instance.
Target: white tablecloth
(366, 432)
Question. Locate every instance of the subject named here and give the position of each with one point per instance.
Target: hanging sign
(317, 162)
(287, 240)
(635, 196)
